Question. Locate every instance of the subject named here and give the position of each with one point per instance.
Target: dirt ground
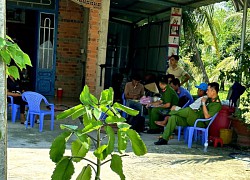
(28, 158)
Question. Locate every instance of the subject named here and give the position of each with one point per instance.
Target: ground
(28, 158)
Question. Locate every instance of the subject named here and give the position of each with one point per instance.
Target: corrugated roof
(134, 11)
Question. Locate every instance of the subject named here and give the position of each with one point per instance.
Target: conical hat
(152, 87)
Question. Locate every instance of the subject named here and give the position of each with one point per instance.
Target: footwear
(37, 121)
(154, 131)
(25, 122)
(161, 141)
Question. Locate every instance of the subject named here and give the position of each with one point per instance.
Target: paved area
(28, 158)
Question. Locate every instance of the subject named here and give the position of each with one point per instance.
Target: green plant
(241, 74)
(10, 50)
(92, 112)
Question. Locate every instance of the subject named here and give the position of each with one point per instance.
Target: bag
(137, 123)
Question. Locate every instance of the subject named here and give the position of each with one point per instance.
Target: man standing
(188, 116)
(134, 90)
(176, 70)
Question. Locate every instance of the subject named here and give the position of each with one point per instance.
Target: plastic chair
(203, 130)
(180, 127)
(34, 100)
(124, 103)
(15, 109)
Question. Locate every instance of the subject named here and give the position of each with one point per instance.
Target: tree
(8, 50)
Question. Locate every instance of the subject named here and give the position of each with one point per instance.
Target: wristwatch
(203, 103)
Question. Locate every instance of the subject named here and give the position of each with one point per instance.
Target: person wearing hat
(134, 90)
(201, 92)
(168, 99)
(176, 70)
(187, 116)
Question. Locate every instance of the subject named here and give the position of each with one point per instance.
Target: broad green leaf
(67, 113)
(9, 38)
(2, 43)
(114, 119)
(78, 113)
(69, 127)
(64, 170)
(100, 152)
(107, 97)
(26, 59)
(97, 113)
(116, 112)
(85, 97)
(111, 142)
(122, 141)
(106, 110)
(93, 99)
(92, 126)
(86, 120)
(116, 165)
(126, 109)
(58, 147)
(104, 98)
(85, 173)
(13, 71)
(89, 112)
(123, 126)
(83, 138)
(138, 145)
(79, 149)
(6, 57)
(111, 95)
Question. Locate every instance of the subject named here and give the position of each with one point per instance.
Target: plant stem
(98, 171)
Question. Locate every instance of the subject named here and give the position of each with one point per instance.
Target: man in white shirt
(176, 70)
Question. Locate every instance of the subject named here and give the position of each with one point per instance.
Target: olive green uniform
(168, 96)
(188, 116)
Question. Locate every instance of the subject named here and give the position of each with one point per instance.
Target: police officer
(187, 116)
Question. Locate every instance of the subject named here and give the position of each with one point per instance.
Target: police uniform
(188, 116)
(168, 96)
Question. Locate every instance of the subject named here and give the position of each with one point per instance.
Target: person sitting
(201, 92)
(183, 94)
(187, 116)
(168, 99)
(14, 89)
(133, 91)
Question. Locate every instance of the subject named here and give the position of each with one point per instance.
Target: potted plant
(240, 121)
(97, 115)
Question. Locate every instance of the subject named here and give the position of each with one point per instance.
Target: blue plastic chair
(204, 131)
(34, 100)
(124, 103)
(15, 109)
(180, 127)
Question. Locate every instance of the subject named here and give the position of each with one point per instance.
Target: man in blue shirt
(183, 94)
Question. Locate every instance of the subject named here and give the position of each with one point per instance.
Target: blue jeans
(134, 105)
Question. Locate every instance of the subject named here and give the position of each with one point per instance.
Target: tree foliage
(10, 50)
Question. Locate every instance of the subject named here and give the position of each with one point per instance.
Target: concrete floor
(28, 157)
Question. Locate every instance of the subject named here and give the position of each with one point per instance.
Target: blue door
(45, 66)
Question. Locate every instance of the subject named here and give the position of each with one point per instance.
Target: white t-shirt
(178, 72)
